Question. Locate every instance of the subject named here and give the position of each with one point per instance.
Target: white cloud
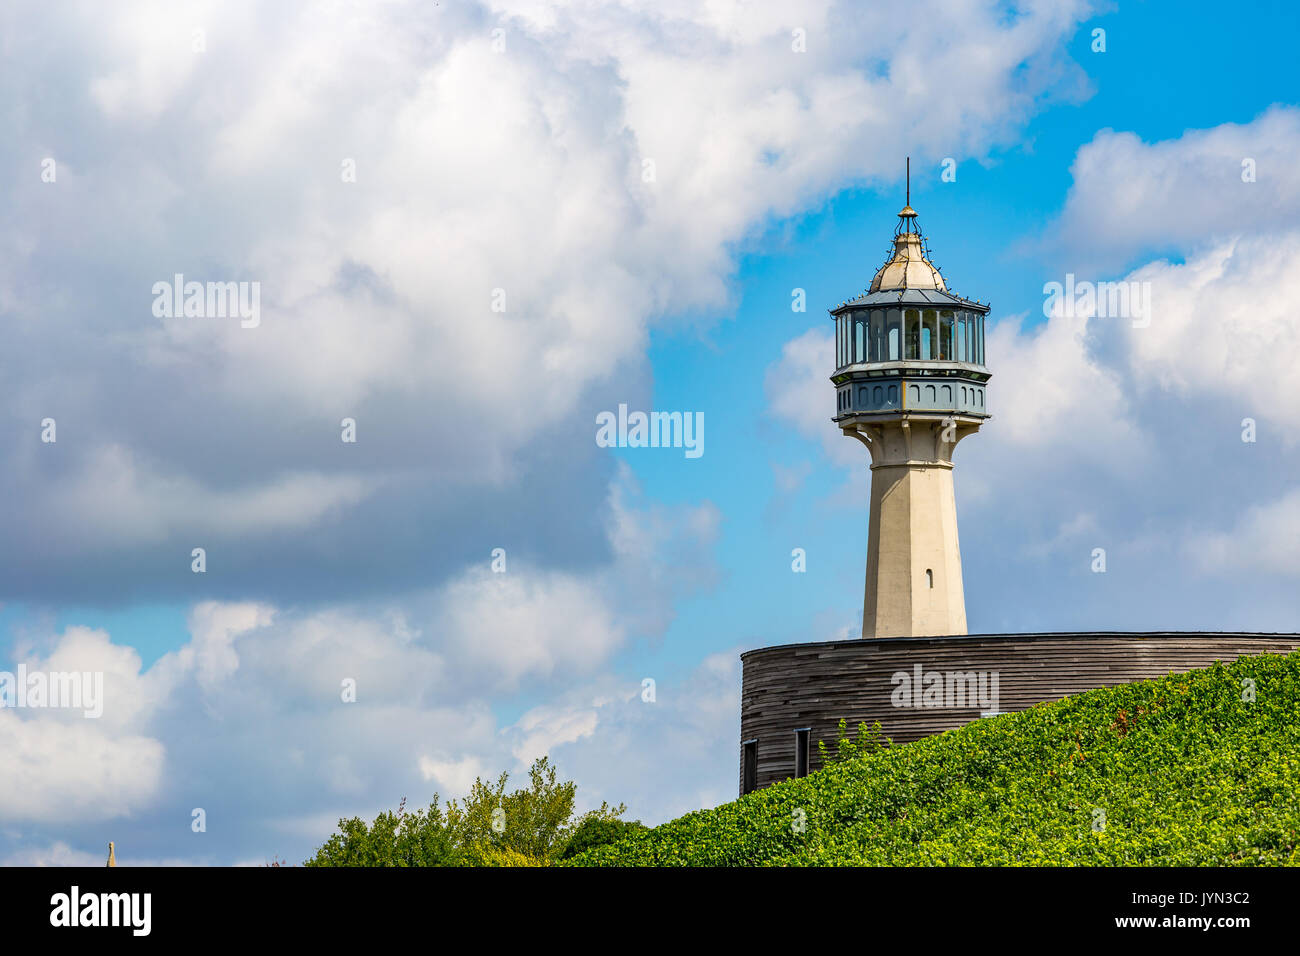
(56, 854)
(1129, 195)
(66, 766)
(661, 758)
(477, 170)
(115, 498)
(1265, 539)
(255, 693)
(1053, 394)
(213, 629)
(797, 386)
(454, 777)
(151, 45)
(312, 653)
(543, 729)
(1224, 328)
(526, 624)
(60, 853)
(56, 771)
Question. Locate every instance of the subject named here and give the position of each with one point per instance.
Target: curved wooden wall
(814, 685)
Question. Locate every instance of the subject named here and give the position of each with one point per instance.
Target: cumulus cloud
(1129, 195)
(589, 170)
(1265, 539)
(455, 777)
(528, 624)
(543, 729)
(62, 764)
(117, 498)
(60, 853)
(1224, 328)
(249, 718)
(796, 386)
(58, 771)
(1054, 393)
(664, 757)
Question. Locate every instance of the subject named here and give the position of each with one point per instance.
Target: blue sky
(519, 169)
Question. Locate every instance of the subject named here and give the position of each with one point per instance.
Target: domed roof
(908, 268)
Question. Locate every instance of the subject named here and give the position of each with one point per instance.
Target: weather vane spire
(907, 215)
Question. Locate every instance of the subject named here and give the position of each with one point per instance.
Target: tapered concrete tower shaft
(914, 582)
(910, 383)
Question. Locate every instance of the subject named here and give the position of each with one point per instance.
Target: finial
(908, 212)
(112, 860)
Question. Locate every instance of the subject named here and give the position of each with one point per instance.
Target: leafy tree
(536, 821)
(490, 827)
(594, 831)
(494, 856)
(420, 838)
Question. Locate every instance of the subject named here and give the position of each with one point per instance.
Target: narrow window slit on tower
(749, 767)
(929, 577)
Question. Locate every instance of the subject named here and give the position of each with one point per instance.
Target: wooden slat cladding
(814, 685)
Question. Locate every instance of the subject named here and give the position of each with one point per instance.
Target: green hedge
(1185, 771)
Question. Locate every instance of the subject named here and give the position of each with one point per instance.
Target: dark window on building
(801, 751)
(749, 767)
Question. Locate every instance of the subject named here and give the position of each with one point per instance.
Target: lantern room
(907, 343)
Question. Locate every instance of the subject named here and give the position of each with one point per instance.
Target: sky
(474, 228)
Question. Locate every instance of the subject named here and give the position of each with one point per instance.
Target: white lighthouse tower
(910, 384)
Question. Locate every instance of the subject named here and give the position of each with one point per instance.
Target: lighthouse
(910, 382)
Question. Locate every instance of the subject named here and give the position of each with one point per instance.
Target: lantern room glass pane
(946, 333)
(895, 334)
(912, 337)
(860, 336)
